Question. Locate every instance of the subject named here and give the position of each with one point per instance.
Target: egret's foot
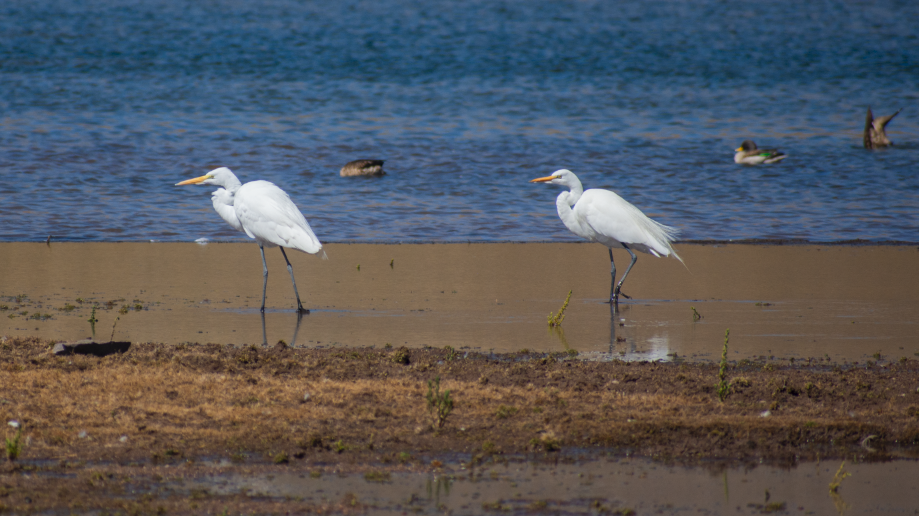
(301, 310)
(262, 309)
(625, 296)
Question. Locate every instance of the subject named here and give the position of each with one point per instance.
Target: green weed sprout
(439, 403)
(14, 445)
(555, 321)
(723, 386)
(696, 316)
(92, 322)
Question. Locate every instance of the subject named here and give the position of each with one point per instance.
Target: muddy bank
(162, 402)
(189, 429)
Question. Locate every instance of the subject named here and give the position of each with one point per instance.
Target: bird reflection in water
(293, 340)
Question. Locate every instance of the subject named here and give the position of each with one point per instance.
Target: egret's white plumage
(605, 217)
(265, 213)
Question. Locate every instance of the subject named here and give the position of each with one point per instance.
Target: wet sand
(790, 301)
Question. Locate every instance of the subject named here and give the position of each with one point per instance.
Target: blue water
(105, 104)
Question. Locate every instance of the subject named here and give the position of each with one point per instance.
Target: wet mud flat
(847, 302)
(116, 432)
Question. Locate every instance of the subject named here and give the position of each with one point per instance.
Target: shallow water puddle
(589, 487)
(845, 303)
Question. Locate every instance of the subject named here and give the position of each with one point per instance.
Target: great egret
(749, 154)
(602, 216)
(266, 214)
(875, 130)
(363, 167)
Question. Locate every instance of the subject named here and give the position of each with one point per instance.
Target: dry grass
(160, 403)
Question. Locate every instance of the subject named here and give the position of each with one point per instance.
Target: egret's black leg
(612, 282)
(265, 274)
(290, 269)
(619, 285)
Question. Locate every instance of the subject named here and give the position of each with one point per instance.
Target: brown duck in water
(363, 167)
(875, 135)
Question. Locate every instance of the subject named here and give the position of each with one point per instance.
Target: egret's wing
(614, 220)
(268, 215)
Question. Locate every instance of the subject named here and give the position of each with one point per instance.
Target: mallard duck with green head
(749, 154)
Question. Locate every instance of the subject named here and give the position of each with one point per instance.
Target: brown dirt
(177, 404)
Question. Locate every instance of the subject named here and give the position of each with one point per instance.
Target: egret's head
(219, 177)
(746, 146)
(561, 177)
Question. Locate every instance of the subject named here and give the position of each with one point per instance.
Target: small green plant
(391, 262)
(555, 321)
(358, 267)
(401, 356)
(439, 403)
(696, 316)
(68, 307)
(723, 386)
(339, 446)
(377, 476)
(92, 322)
(281, 458)
(838, 477)
(451, 353)
(505, 412)
(14, 445)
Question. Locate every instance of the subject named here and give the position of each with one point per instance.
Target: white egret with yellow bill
(265, 213)
(602, 216)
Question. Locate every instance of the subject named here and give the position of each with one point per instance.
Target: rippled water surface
(106, 104)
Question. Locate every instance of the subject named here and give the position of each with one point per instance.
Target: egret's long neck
(223, 204)
(563, 204)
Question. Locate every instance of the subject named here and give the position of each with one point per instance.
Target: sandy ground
(847, 302)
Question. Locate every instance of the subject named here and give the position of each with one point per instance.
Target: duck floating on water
(363, 167)
(875, 136)
(749, 154)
